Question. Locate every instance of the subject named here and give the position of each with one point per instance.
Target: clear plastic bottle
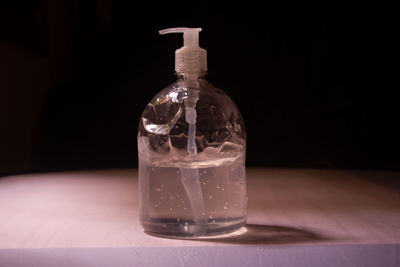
(191, 145)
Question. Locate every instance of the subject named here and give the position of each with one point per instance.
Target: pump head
(189, 59)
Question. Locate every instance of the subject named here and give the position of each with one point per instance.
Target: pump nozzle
(189, 59)
(190, 35)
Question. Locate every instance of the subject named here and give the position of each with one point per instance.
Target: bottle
(191, 146)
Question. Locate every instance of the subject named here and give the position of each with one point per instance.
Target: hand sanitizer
(191, 145)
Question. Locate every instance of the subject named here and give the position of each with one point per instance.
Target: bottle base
(189, 229)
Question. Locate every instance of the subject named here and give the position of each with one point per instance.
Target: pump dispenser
(189, 59)
(191, 146)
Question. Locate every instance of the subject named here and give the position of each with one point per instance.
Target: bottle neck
(191, 76)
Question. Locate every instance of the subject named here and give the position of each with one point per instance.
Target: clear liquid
(205, 198)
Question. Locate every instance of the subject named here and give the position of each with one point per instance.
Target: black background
(314, 82)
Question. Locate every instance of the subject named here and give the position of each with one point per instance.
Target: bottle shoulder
(208, 94)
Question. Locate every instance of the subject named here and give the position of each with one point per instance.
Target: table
(296, 217)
